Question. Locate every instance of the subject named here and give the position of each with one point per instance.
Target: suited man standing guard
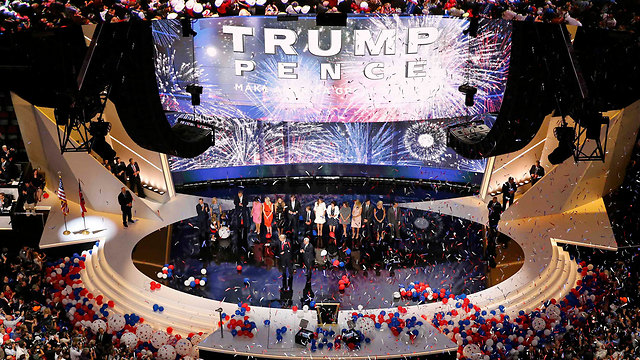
(308, 257)
(133, 173)
(125, 199)
(286, 262)
(293, 215)
(508, 192)
(202, 209)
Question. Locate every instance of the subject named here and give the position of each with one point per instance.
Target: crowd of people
(24, 14)
(34, 324)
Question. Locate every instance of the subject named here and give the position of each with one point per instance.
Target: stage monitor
(380, 91)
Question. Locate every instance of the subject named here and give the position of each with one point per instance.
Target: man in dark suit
(394, 216)
(367, 218)
(309, 218)
(293, 215)
(508, 192)
(125, 199)
(104, 343)
(536, 172)
(495, 209)
(286, 262)
(133, 173)
(308, 257)
(241, 214)
(120, 171)
(202, 209)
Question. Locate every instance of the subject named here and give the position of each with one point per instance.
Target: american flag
(63, 199)
(84, 209)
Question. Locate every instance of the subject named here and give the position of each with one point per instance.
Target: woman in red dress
(267, 212)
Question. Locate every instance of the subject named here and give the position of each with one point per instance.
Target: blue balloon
(155, 307)
(192, 284)
(161, 308)
(341, 264)
(348, 251)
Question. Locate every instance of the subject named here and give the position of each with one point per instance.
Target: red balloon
(294, 308)
(341, 287)
(445, 300)
(239, 267)
(169, 330)
(111, 303)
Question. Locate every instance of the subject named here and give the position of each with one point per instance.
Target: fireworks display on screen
(263, 118)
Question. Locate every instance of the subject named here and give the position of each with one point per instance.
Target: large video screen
(379, 91)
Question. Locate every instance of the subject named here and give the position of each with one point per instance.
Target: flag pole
(64, 213)
(85, 231)
(66, 231)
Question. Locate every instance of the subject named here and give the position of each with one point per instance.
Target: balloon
(116, 322)
(158, 339)
(203, 271)
(144, 332)
(195, 339)
(97, 325)
(183, 347)
(129, 339)
(323, 252)
(166, 352)
(239, 268)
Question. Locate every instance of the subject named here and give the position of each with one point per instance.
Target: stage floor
(440, 250)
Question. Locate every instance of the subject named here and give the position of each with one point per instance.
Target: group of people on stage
(286, 216)
(128, 174)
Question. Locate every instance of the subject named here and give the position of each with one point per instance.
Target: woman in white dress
(320, 209)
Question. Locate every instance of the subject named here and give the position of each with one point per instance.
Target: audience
(32, 14)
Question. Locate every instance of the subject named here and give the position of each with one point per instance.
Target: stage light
(469, 92)
(212, 51)
(566, 147)
(187, 30)
(195, 92)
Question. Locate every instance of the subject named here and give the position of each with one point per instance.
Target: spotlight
(473, 27)
(566, 147)
(98, 143)
(469, 92)
(195, 92)
(187, 30)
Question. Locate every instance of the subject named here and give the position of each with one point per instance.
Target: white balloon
(144, 332)
(183, 347)
(166, 352)
(129, 339)
(158, 339)
(97, 325)
(116, 322)
(203, 271)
